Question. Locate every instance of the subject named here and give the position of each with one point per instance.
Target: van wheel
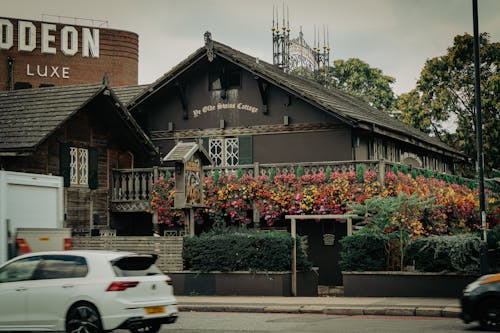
(147, 328)
(489, 314)
(83, 318)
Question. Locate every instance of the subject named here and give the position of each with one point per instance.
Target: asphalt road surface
(212, 322)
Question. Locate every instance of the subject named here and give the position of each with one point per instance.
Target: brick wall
(118, 57)
(168, 249)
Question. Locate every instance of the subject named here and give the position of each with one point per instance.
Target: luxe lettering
(47, 71)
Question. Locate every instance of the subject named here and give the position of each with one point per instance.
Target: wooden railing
(133, 186)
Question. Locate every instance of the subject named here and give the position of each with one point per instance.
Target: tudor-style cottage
(248, 113)
(80, 133)
(246, 110)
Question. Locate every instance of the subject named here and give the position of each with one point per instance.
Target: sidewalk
(382, 306)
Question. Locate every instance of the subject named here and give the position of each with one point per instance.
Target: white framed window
(224, 151)
(79, 166)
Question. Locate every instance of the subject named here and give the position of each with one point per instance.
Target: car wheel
(83, 318)
(148, 328)
(489, 314)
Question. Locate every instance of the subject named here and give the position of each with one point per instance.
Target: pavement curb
(407, 311)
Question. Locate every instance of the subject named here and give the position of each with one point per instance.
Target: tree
(445, 92)
(358, 78)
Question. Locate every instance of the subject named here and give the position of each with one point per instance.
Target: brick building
(38, 54)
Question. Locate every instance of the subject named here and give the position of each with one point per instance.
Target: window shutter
(93, 167)
(245, 150)
(64, 162)
(204, 143)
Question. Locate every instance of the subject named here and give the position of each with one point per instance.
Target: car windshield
(141, 265)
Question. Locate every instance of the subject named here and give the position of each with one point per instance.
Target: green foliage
(459, 253)
(300, 171)
(241, 250)
(168, 175)
(404, 168)
(396, 216)
(360, 173)
(216, 176)
(414, 173)
(239, 174)
(445, 90)
(395, 169)
(358, 78)
(427, 173)
(272, 174)
(363, 251)
(328, 173)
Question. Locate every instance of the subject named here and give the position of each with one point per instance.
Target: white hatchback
(85, 291)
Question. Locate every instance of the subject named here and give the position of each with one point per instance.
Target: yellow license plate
(155, 309)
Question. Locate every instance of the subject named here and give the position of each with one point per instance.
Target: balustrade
(135, 185)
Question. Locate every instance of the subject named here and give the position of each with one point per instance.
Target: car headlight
(471, 287)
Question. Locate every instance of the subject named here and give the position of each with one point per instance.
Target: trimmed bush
(459, 253)
(245, 250)
(363, 251)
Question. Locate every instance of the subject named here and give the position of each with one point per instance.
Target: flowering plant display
(443, 208)
(162, 202)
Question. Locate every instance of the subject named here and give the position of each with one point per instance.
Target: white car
(85, 291)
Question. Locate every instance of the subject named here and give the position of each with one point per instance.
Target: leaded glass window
(79, 166)
(224, 152)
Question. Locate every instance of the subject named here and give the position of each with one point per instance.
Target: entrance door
(324, 247)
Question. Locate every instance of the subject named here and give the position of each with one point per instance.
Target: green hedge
(363, 251)
(459, 253)
(242, 251)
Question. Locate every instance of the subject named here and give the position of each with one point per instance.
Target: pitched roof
(29, 116)
(127, 93)
(348, 108)
(183, 151)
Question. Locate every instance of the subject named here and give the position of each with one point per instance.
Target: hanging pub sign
(188, 159)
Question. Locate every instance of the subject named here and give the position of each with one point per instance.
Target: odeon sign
(70, 43)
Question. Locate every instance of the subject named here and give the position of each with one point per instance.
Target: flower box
(243, 283)
(405, 284)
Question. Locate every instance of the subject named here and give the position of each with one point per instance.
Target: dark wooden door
(321, 251)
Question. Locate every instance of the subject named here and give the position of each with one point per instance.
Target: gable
(348, 109)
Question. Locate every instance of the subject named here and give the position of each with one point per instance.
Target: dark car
(481, 301)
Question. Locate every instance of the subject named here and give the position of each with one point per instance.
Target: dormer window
(221, 80)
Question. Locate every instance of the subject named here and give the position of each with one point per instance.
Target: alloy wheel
(83, 319)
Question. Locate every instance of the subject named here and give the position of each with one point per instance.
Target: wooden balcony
(131, 188)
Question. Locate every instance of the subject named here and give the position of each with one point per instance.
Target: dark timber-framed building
(246, 110)
(247, 113)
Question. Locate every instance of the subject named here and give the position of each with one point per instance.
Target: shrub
(363, 251)
(459, 253)
(242, 250)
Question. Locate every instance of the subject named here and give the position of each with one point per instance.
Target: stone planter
(243, 283)
(404, 284)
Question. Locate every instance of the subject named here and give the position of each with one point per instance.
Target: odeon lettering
(224, 106)
(70, 41)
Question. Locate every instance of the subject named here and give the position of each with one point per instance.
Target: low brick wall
(404, 284)
(168, 249)
(243, 283)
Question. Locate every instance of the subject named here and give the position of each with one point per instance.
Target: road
(198, 322)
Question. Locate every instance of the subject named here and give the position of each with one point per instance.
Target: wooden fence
(168, 249)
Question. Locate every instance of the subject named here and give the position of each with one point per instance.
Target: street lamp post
(479, 139)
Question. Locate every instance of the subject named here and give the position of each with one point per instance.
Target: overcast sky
(396, 36)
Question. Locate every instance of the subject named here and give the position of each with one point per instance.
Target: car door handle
(68, 286)
(21, 289)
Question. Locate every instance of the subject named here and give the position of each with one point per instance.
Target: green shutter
(64, 161)
(245, 150)
(205, 142)
(93, 167)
